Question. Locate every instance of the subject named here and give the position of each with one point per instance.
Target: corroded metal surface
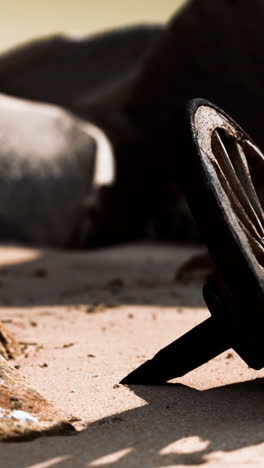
(24, 413)
(9, 347)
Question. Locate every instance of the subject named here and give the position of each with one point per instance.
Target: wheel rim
(234, 170)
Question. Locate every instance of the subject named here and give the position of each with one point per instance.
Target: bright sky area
(23, 19)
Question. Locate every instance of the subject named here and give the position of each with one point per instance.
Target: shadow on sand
(139, 274)
(224, 419)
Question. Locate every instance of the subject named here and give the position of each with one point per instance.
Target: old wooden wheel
(227, 199)
(221, 171)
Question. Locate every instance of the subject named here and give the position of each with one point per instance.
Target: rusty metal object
(9, 347)
(222, 175)
(24, 413)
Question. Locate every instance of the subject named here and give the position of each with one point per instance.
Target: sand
(87, 319)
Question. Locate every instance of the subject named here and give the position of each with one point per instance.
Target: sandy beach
(86, 319)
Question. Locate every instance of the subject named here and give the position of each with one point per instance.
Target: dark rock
(211, 50)
(91, 77)
(47, 161)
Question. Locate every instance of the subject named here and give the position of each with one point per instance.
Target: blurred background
(23, 19)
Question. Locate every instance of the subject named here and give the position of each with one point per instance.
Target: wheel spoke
(255, 162)
(256, 247)
(240, 164)
(234, 188)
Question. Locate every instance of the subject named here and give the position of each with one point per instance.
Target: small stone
(229, 356)
(94, 308)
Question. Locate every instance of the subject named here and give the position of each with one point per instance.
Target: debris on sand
(24, 413)
(95, 308)
(9, 347)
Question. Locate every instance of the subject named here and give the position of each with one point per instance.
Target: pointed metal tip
(146, 374)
